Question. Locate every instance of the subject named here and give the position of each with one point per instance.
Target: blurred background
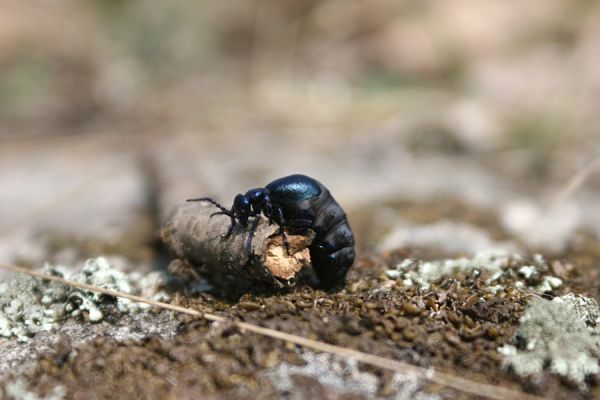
(445, 126)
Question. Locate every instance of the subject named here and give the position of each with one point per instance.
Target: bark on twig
(198, 239)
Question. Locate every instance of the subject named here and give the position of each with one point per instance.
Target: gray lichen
(30, 305)
(343, 377)
(562, 336)
(498, 265)
(18, 390)
(587, 309)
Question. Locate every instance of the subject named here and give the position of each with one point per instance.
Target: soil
(455, 326)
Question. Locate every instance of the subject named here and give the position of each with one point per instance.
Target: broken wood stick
(198, 240)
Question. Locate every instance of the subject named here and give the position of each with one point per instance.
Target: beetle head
(241, 208)
(257, 198)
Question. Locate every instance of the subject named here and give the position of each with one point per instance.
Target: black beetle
(298, 201)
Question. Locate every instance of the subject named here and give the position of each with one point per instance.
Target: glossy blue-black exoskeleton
(299, 201)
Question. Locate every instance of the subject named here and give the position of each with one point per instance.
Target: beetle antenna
(213, 202)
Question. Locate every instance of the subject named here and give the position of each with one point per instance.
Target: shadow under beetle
(298, 201)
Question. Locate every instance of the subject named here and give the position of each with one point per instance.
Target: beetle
(298, 201)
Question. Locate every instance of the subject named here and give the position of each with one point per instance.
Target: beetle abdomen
(302, 198)
(293, 189)
(332, 252)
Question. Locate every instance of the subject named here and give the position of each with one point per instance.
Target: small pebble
(411, 308)
(409, 333)
(304, 304)
(249, 305)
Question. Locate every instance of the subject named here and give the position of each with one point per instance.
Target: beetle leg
(299, 223)
(251, 236)
(267, 209)
(221, 212)
(230, 230)
(230, 215)
(281, 231)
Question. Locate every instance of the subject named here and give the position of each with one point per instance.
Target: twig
(199, 238)
(457, 383)
(572, 185)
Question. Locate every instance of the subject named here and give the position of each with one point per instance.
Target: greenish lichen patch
(30, 305)
(499, 266)
(561, 336)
